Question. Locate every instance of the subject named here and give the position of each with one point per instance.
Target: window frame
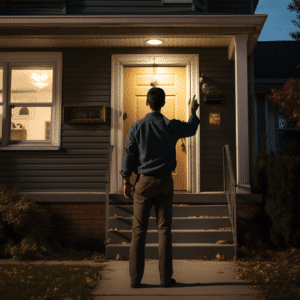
(7, 61)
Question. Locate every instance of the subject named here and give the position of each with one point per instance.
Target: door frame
(118, 61)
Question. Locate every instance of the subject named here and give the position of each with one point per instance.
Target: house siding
(231, 6)
(80, 165)
(94, 7)
(32, 7)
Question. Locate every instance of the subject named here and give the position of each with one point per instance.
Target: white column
(241, 114)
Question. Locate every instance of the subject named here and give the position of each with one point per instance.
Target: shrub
(277, 178)
(25, 228)
(261, 219)
(282, 202)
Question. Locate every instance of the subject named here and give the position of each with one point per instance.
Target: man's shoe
(171, 283)
(134, 286)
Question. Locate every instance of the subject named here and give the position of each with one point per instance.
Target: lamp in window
(24, 111)
(39, 80)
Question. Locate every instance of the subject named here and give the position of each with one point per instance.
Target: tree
(288, 98)
(295, 6)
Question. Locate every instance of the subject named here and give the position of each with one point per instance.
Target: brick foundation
(80, 225)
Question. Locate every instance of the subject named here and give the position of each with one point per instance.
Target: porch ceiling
(67, 41)
(128, 31)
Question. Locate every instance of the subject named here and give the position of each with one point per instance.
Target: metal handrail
(107, 181)
(230, 190)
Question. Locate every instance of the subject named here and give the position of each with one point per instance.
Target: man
(150, 151)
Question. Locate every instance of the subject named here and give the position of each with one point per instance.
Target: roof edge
(134, 20)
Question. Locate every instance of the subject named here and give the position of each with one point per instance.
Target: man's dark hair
(156, 98)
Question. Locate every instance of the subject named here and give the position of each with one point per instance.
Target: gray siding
(216, 67)
(231, 6)
(84, 7)
(32, 7)
(81, 163)
(94, 7)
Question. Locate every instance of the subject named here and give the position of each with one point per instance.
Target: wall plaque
(215, 119)
(84, 114)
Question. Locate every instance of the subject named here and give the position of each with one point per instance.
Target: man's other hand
(127, 191)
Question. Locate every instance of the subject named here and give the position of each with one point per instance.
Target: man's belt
(158, 174)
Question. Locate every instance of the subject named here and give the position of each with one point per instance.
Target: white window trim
(36, 57)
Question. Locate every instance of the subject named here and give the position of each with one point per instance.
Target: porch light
(154, 42)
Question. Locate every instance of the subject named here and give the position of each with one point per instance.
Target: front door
(136, 86)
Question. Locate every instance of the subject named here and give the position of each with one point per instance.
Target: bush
(277, 178)
(25, 228)
(262, 220)
(283, 199)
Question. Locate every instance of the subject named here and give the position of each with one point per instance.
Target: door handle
(124, 116)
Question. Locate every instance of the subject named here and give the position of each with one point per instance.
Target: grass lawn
(275, 274)
(61, 282)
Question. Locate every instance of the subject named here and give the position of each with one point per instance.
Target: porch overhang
(129, 31)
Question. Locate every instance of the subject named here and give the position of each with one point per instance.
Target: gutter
(134, 20)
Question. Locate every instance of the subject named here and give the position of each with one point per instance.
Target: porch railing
(230, 189)
(107, 181)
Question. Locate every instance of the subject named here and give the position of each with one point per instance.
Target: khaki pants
(149, 191)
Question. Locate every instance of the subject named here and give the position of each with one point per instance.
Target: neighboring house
(275, 63)
(63, 53)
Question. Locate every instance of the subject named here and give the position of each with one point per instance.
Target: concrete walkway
(196, 279)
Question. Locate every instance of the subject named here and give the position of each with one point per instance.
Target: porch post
(241, 113)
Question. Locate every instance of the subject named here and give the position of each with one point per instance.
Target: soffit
(61, 42)
(132, 31)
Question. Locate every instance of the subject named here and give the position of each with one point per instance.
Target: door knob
(124, 116)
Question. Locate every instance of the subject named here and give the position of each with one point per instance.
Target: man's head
(156, 99)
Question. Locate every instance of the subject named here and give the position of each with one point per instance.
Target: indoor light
(40, 80)
(154, 42)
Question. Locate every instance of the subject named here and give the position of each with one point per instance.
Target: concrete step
(177, 223)
(179, 250)
(180, 198)
(178, 211)
(178, 236)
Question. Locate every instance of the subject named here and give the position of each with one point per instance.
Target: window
(30, 100)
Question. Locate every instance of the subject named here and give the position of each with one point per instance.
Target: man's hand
(127, 191)
(193, 105)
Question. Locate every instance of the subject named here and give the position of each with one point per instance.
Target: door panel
(136, 86)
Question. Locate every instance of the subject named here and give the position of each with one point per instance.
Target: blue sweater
(150, 144)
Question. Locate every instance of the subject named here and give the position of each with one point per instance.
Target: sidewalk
(196, 279)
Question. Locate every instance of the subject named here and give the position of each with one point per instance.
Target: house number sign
(84, 114)
(215, 119)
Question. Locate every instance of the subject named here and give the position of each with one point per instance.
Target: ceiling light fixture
(40, 80)
(154, 42)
